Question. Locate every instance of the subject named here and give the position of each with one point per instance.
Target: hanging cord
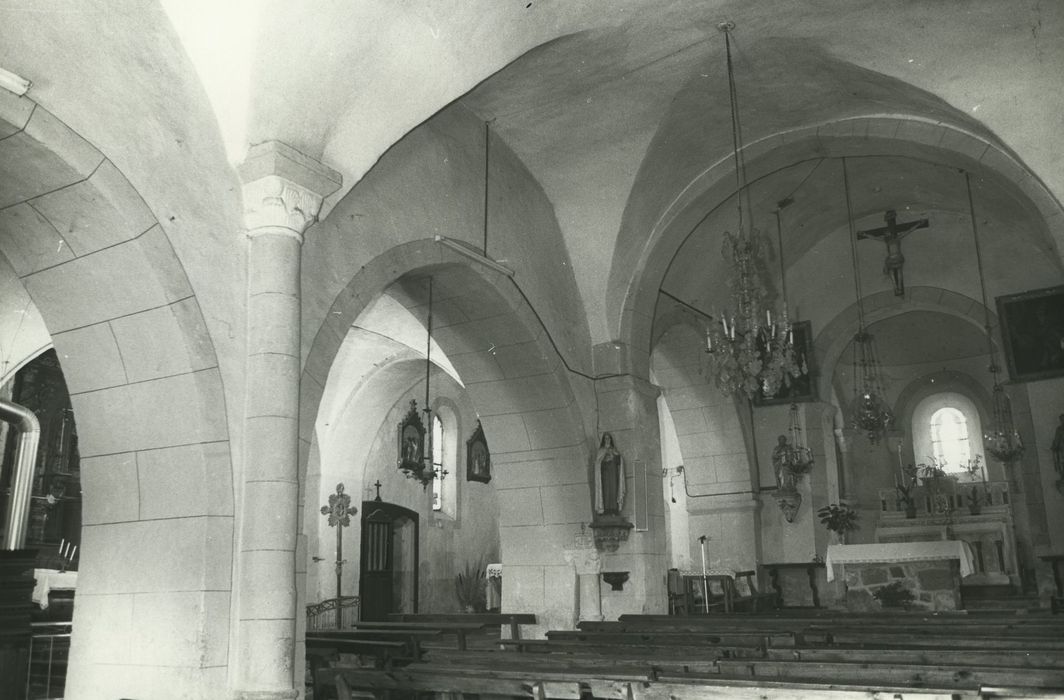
(680, 470)
(779, 240)
(427, 448)
(733, 98)
(982, 281)
(853, 248)
(487, 157)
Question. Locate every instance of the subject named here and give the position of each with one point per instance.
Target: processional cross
(339, 511)
(891, 234)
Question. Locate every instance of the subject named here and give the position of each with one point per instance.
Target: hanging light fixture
(1000, 438)
(795, 456)
(749, 351)
(870, 412)
(425, 470)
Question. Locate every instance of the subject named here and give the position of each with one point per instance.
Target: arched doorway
(389, 562)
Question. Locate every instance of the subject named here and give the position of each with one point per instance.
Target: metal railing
(333, 613)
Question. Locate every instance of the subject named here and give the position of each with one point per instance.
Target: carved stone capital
(283, 189)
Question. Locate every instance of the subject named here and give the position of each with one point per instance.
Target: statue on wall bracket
(609, 526)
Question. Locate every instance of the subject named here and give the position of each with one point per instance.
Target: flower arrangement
(905, 488)
(933, 470)
(840, 519)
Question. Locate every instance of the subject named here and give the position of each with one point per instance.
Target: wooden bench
(513, 620)
(458, 629)
(737, 638)
(960, 676)
(1006, 658)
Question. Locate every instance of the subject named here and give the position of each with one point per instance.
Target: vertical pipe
(18, 507)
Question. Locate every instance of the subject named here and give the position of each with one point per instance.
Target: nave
(775, 654)
(335, 311)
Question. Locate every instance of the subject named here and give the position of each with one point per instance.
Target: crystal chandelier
(748, 351)
(870, 412)
(1000, 438)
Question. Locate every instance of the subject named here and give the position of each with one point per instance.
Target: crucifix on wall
(339, 511)
(891, 235)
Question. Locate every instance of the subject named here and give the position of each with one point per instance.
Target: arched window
(444, 459)
(946, 427)
(949, 437)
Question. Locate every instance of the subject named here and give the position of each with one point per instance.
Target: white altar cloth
(899, 552)
(49, 579)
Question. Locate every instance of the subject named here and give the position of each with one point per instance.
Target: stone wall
(935, 585)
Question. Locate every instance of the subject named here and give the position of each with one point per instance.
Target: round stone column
(283, 191)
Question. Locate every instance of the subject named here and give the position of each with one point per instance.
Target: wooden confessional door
(389, 562)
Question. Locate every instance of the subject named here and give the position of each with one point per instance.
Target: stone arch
(519, 383)
(938, 382)
(147, 391)
(718, 478)
(643, 257)
(833, 339)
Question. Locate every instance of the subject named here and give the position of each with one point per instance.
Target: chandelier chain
(853, 248)
(736, 127)
(979, 267)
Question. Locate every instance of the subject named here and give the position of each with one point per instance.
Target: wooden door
(385, 583)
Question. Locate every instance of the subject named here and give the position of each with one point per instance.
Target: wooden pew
(959, 676)
(740, 638)
(458, 629)
(1007, 658)
(670, 654)
(485, 620)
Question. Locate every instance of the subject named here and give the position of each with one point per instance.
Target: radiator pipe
(18, 506)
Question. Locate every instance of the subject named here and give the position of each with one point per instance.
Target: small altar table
(899, 552)
(925, 569)
(48, 580)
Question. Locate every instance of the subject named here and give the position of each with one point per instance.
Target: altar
(874, 576)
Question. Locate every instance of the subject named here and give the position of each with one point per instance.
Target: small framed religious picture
(411, 441)
(478, 458)
(1032, 330)
(802, 388)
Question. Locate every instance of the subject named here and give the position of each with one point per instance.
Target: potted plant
(469, 588)
(933, 474)
(894, 595)
(839, 519)
(979, 492)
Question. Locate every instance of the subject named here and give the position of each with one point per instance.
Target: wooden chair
(747, 598)
(712, 592)
(677, 594)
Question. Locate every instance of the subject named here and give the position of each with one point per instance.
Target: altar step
(1003, 598)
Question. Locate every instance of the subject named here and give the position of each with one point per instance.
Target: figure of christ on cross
(891, 235)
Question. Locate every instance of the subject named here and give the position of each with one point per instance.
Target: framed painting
(411, 441)
(799, 389)
(478, 457)
(1032, 331)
